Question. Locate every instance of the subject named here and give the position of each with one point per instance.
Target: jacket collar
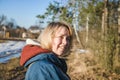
(50, 57)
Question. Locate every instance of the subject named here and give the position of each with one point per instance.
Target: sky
(24, 12)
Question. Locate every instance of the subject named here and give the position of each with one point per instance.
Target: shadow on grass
(12, 70)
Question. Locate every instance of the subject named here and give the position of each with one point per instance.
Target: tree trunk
(87, 29)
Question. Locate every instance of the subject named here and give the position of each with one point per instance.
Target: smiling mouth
(62, 48)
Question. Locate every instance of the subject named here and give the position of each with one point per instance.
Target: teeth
(61, 47)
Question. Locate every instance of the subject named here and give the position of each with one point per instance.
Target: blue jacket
(46, 66)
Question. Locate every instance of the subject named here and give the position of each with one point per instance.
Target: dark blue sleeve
(44, 71)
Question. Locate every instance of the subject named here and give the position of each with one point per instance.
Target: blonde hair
(48, 33)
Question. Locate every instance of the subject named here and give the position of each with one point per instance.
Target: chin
(60, 54)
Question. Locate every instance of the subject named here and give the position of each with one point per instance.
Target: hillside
(81, 66)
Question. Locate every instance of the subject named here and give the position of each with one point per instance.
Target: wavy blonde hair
(45, 38)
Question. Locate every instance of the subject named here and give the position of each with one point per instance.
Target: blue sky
(23, 11)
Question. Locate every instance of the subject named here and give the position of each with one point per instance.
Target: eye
(68, 38)
(63, 37)
(59, 37)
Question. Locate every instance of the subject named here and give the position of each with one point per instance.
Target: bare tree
(2, 19)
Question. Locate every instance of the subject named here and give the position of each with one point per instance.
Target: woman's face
(61, 41)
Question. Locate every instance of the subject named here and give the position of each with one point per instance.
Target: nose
(64, 41)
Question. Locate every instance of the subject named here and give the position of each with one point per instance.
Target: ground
(81, 66)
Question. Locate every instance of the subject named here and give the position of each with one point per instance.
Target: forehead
(62, 31)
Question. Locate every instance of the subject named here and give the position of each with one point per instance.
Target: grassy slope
(80, 67)
(12, 70)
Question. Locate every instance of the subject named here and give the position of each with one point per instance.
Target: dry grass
(12, 70)
(84, 66)
(1, 41)
(81, 66)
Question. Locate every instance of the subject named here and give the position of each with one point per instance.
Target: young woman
(42, 59)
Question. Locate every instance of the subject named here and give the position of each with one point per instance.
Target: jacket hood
(30, 51)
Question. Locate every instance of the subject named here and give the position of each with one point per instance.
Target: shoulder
(45, 70)
(43, 67)
(42, 70)
(44, 64)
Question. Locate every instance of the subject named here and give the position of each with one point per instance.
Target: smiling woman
(55, 35)
(43, 60)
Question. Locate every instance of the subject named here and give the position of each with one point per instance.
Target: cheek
(55, 43)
